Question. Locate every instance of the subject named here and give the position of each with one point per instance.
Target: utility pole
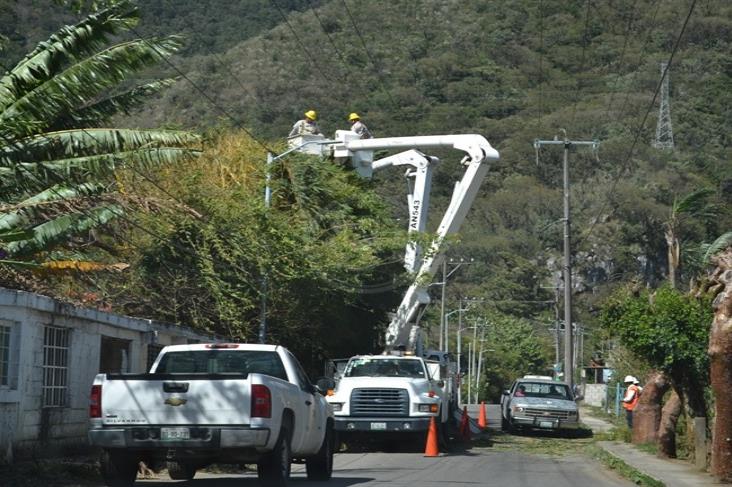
(480, 363)
(568, 144)
(556, 326)
(443, 333)
(263, 306)
(664, 133)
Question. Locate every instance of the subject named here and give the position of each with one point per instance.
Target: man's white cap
(630, 378)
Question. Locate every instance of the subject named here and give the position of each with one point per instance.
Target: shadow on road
(252, 481)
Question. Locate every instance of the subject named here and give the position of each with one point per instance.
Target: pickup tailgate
(176, 399)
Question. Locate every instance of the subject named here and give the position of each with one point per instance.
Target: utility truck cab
(387, 393)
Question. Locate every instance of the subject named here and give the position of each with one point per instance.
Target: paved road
(476, 467)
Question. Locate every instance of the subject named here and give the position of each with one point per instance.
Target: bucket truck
(400, 390)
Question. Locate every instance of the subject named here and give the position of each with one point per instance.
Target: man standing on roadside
(630, 400)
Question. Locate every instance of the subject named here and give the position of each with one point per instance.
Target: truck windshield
(222, 362)
(543, 390)
(385, 368)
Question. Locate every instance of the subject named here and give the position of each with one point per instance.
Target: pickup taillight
(95, 402)
(261, 401)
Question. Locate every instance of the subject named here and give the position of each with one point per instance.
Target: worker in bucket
(306, 126)
(358, 126)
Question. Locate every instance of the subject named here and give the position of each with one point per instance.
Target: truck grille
(379, 402)
(546, 413)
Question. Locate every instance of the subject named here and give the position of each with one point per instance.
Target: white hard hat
(630, 378)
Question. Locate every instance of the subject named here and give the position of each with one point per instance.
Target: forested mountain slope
(512, 71)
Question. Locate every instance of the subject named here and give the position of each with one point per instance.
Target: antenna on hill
(664, 133)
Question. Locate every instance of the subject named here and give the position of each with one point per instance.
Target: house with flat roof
(50, 352)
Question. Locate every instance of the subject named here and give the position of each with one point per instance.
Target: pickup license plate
(175, 434)
(546, 424)
(378, 426)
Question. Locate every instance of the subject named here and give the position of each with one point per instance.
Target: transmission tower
(664, 132)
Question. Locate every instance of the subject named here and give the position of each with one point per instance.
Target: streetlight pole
(271, 158)
(443, 318)
(567, 267)
(265, 283)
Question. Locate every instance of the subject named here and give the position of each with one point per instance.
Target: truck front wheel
(180, 471)
(118, 468)
(320, 466)
(274, 469)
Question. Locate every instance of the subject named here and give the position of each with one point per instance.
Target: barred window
(4, 355)
(55, 366)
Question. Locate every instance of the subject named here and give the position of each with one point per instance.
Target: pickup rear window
(222, 362)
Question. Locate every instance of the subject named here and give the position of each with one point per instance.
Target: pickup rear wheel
(118, 468)
(180, 471)
(274, 469)
(320, 466)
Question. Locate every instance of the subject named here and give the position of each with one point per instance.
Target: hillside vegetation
(511, 70)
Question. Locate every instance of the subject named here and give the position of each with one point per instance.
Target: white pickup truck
(379, 394)
(206, 403)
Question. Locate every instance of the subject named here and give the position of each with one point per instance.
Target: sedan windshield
(385, 368)
(542, 390)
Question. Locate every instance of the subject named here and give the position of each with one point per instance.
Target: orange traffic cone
(431, 449)
(482, 420)
(465, 425)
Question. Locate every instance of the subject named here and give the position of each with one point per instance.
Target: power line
(631, 18)
(299, 41)
(639, 130)
(582, 62)
(639, 61)
(203, 93)
(541, 58)
(368, 54)
(330, 39)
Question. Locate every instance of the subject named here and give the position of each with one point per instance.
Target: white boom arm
(478, 151)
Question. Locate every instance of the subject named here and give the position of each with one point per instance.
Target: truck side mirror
(506, 392)
(324, 385)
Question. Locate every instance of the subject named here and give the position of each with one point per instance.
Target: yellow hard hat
(311, 115)
(353, 116)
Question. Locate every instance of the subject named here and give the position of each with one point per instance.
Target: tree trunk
(720, 353)
(673, 253)
(667, 431)
(647, 413)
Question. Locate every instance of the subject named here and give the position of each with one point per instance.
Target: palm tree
(693, 205)
(57, 167)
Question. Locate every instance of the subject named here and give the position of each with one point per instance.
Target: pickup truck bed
(224, 403)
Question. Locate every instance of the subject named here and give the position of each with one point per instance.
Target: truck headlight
(517, 409)
(337, 406)
(428, 408)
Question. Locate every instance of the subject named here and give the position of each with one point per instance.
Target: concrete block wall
(595, 394)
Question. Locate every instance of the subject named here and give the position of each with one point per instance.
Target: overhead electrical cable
(625, 164)
(330, 38)
(580, 73)
(368, 54)
(203, 93)
(618, 67)
(300, 42)
(641, 56)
